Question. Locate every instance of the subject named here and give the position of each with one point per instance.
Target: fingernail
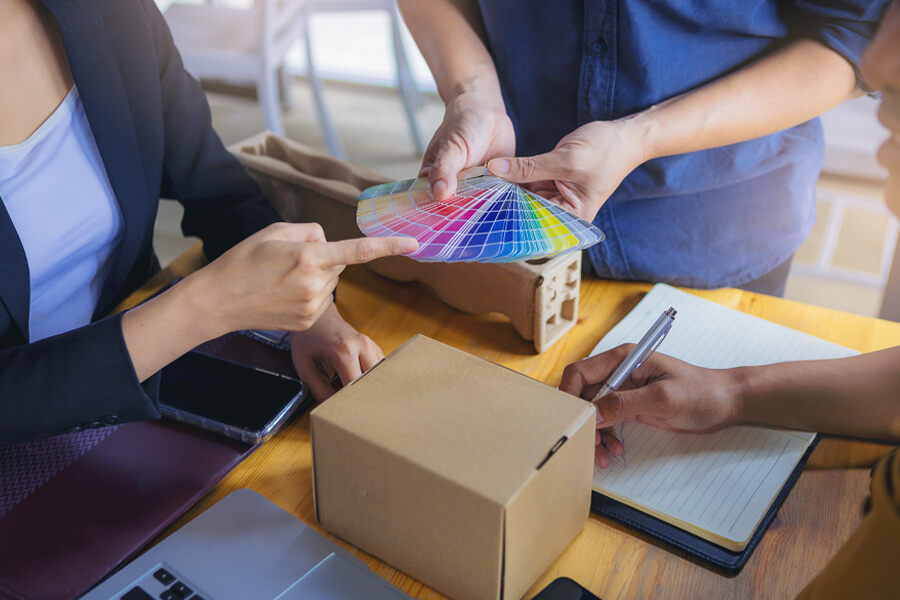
(439, 189)
(408, 245)
(499, 167)
(599, 416)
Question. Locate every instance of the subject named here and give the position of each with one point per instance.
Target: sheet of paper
(724, 482)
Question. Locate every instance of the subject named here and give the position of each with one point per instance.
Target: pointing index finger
(362, 250)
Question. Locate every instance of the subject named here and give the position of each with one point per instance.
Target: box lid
(482, 426)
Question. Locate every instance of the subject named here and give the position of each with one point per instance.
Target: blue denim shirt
(718, 217)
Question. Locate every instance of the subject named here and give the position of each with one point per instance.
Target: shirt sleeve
(80, 379)
(222, 204)
(845, 26)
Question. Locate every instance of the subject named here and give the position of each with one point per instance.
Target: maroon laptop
(75, 506)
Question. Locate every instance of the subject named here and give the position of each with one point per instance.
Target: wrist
(747, 385)
(162, 329)
(327, 316)
(644, 129)
(201, 312)
(483, 89)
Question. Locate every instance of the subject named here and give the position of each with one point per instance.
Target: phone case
(236, 433)
(275, 339)
(233, 345)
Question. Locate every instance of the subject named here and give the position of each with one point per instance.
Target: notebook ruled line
(759, 485)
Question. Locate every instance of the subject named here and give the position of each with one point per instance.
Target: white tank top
(61, 203)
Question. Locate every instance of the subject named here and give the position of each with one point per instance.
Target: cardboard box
(466, 475)
(540, 297)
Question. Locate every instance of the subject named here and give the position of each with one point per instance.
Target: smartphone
(231, 399)
(564, 589)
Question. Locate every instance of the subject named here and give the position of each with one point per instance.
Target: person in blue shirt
(687, 133)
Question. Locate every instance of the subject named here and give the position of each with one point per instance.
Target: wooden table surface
(607, 558)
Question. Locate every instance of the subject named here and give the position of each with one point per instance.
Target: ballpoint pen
(640, 353)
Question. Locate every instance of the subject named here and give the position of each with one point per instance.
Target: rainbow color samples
(488, 220)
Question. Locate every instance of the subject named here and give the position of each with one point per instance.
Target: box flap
(470, 421)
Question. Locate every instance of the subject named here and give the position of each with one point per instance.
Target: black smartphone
(228, 398)
(564, 589)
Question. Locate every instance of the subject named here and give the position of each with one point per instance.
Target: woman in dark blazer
(147, 129)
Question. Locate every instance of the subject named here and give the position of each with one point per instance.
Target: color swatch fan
(488, 220)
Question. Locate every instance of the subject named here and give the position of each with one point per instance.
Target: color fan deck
(488, 220)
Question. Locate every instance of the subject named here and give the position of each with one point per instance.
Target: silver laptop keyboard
(163, 583)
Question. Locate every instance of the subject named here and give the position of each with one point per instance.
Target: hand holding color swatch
(487, 220)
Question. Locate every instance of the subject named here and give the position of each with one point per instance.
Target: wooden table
(607, 558)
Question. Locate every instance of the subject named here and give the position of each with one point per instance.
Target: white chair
(250, 44)
(247, 45)
(409, 94)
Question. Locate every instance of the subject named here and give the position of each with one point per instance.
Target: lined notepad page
(717, 485)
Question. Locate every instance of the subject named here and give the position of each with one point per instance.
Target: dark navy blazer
(152, 125)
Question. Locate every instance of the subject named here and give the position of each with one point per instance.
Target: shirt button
(72, 429)
(598, 45)
(110, 420)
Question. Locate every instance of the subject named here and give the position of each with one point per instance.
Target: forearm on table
(785, 88)
(857, 396)
(167, 326)
(450, 35)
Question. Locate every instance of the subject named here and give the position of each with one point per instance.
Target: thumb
(624, 405)
(448, 162)
(526, 169)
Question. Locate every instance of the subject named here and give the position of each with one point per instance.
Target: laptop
(245, 546)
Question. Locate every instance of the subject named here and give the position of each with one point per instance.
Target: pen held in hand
(638, 355)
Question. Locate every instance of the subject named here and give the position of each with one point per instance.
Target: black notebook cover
(726, 561)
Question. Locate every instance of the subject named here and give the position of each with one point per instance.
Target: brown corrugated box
(466, 475)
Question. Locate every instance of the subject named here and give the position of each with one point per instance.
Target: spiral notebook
(719, 487)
